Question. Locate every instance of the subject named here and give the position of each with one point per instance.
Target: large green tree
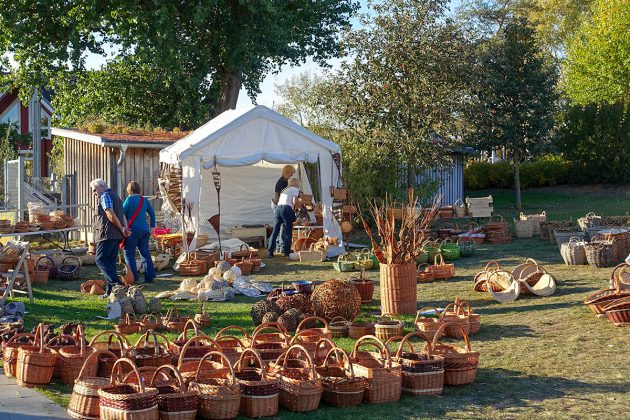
(598, 58)
(515, 92)
(229, 43)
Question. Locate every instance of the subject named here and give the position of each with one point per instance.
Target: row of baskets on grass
(113, 382)
(506, 286)
(613, 303)
(604, 250)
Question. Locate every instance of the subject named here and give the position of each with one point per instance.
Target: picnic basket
(219, 393)
(573, 252)
(116, 344)
(127, 324)
(259, 391)
(174, 321)
(154, 355)
(84, 401)
(338, 327)
(121, 401)
(460, 363)
(424, 274)
(422, 372)
(387, 327)
(270, 340)
(442, 270)
(427, 325)
(70, 268)
(341, 387)
(364, 286)
(383, 377)
(72, 358)
(35, 363)
(343, 264)
(618, 311)
(300, 387)
(10, 352)
(175, 400)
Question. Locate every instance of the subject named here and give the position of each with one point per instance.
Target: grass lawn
(547, 357)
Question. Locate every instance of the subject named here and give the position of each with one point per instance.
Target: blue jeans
(106, 255)
(140, 240)
(285, 216)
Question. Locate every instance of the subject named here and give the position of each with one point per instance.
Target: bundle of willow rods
(399, 243)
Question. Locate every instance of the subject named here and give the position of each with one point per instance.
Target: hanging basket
(341, 387)
(219, 393)
(460, 363)
(422, 372)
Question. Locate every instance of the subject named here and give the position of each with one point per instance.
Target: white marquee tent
(249, 148)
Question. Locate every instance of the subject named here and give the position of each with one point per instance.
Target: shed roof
(135, 139)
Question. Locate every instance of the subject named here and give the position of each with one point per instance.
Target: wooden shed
(116, 158)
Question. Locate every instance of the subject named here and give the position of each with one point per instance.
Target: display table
(43, 233)
(245, 232)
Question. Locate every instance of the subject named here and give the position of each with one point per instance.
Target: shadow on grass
(490, 332)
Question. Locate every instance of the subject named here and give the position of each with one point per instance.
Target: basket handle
(531, 261)
(195, 339)
(232, 327)
(406, 339)
(224, 361)
(419, 313)
(311, 318)
(94, 354)
(271, 326)
(490, 263)
(184, 335)
(155, 335)
(173, 371)
(336, 319)
(309, 359)
(239, 363)
(436, 258)
(21, 336)
(226, 337)
(459, 200)
(44, 257)
(124, 342)
(147, 318)
(375, 342)
(117, 371)
(456, 310)
(53, 340)
(72, 257)
(440, 332)
(421, 265)
(574, 241)
(614, 278)
(344, 355)
(446, 241)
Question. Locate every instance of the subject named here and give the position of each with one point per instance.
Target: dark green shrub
(543, 172)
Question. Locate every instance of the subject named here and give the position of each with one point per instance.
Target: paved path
(19, 403)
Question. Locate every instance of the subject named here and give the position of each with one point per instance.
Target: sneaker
(103, 296)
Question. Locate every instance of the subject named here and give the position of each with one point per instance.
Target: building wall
(451, 180)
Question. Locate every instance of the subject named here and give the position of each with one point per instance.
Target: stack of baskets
(497, 231)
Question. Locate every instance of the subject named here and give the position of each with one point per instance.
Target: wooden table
(63, 232)
(241, 232)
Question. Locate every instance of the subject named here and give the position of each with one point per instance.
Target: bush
(543, 172)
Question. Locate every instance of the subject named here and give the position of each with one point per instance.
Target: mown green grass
(545, 357)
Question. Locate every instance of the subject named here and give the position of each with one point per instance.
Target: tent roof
(246, 136)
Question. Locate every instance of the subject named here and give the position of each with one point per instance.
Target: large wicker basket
(219, 393)
(383, 377)
(10, 352)
(387, 327)
(300, 387)
(460, 364)
(84, 401)
(152, 353)
(422, 372)
(35, 363)
(341, 387)
(573, 252)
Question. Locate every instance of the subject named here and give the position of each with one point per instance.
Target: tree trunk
(517, 181)
(411, 173)
(230, 87)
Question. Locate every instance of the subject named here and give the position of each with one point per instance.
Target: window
(11, 115)
(45, 126)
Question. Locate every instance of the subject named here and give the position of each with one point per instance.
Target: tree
(598, 58)
(515, 94)
(227, 43)
(404, 81)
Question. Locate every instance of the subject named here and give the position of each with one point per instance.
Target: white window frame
(19, 114)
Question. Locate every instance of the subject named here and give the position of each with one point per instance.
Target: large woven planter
(398, 288)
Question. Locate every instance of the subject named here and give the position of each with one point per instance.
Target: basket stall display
(383, 377)
(219, 393)
(300, 387)
(118, 400)
(259, 391)
(84, 401)
(422, 372)
(175, 401)
(460, 363)
(342, 388)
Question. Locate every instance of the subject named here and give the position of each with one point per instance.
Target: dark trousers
(285, 216)
(140, 240)
(106, 255)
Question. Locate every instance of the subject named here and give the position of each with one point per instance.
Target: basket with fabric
(174, 321)
(72, 358)
(35, 363)
(175, 400)
(343, 264)
(460, 363)
(618, 312)
(338, 327)
(573, 252)
(127, 324)
(300, 388)
(192, 352)
(70, 269)
(84, 401)
(455, 315)
(116, 344)
(219, 393)
(424, 274)
(383, 377)
(121, 401)
(341, 387)
(152, 353)
(427, 321)
(270, 340)
(259, 391)
(450, 250)
(467, 246)
(600, 299)
(422, 372)
(535, 219)
(442, 270)
(387, 327)
(600, 254)
(10, 352)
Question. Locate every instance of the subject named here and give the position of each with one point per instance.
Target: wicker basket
(564, 236)
(40, 272)
(149, 322)
(591, 220)
(259, 392)
(359, 329)
(270, 340)
(57, 343)
(528, 274)
(523, 228)
(300, 387)
(70, 268)
(72, 359)
(502, 286)
(192, 353)
(422, 372)
(219, 393)
(231, 345)
(127, 325)
(454, 318)
(618, 312)
(84, 401)
(535, 219)
(573, 252)
(35, 363)
(481, 278)
(467, 246)
(427, 325)
(10, 352)
(116, 344)
(308, 337)
(338, 327)
(600, 254)
(460, 364)
(383, 377)
(120, 401)
(496, 222)
(432, 248)
(364, 286)
(498, 236)
(173, 321)
(343, 263)
(175, 401)
(341, 387)
(152, 356)
(387, 327)
(177, 344)
(599, 300)
(424, 274)
(442, 270)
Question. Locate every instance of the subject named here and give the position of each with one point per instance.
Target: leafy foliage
(598, 58)
(543, 172)
(10, 141)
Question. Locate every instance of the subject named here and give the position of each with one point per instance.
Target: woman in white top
(285, 216)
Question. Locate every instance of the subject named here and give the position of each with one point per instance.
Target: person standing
(136, 209)
(109, 229)
(287, 172)
(284, 217)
